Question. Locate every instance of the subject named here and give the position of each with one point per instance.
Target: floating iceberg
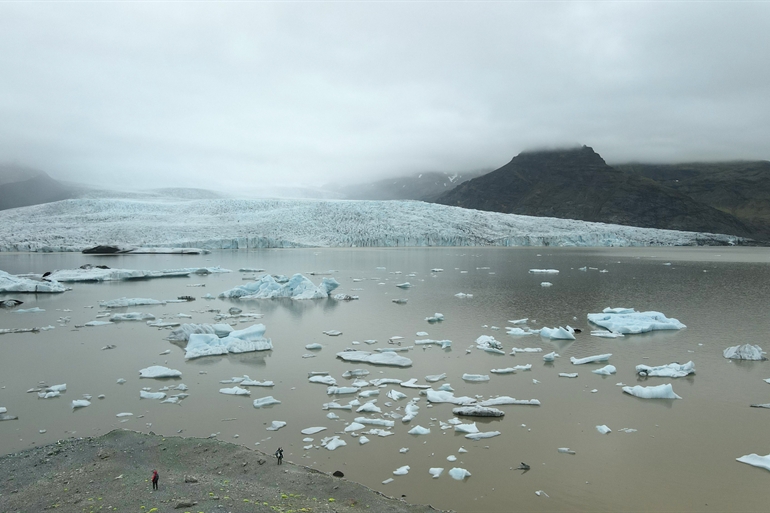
(435, 472)
(80, 403)
(97, 274)
(476, 377)
(333, 442)
(410, 411)
(507, 370)
(369, 408)
(385, 358)
(125, 302)
(324, 380)
(744, 352)
(439, 396)
(312, 347)
(756, 460)
(591, 359)
(544, 271)
(627, 320)
(672, 370)
(11, 283)
(526, 350)
(466, 428)
(235, 391)
(158, 371)
(375, 422)
(459, 473)
(519, 332)
(499, 401)
(298, 287)
(144, 394)
(606, 370)
(443, 343)
(332, 390)
(485, 434)
(478, 411)
(182, 334)
(312, 430)
(435, 377)
(488, 342)
(132, 316)
(265, 401)
(603, 429)
(396, 395)
(550, 357)
(276, 425)
(239, 341)
(559, 333)
(401, 471)
(658, 392)
(568, 374)
(419, 430)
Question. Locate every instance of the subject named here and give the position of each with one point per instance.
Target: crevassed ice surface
(226, 224)
(723, 306)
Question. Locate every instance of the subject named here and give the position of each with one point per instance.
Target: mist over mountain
(21, 186)
(422, 186)
(577, 183)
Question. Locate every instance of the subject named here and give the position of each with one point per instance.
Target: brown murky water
(681, 458)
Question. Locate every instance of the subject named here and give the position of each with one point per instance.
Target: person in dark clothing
(279, 455)
(155, 478)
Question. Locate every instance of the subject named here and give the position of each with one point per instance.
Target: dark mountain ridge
(577, 183)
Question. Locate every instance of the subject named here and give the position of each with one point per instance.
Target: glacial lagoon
(659, 455)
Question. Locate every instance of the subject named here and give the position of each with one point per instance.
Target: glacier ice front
(298, 287)
(238, 341)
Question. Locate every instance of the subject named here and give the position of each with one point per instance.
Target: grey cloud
(221, 94)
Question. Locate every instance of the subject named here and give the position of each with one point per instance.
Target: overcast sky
(212, 94)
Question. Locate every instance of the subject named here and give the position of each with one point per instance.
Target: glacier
(78, 224)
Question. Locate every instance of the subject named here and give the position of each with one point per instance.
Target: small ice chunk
(507, 370)
(276, 425)
(526, 350)
(125, 414)
(334, 442)
(603, 429)
(476, 377)
(546, 284)
(396, 395)
(565, 450)
(590, 359)
(568, 374)
(158, 371)
(144, 394)
(354, 426)
(312, 430)
(80, 403)
(235, 391)
(657, 392)
(544, 271)
(497, 401)
(324, 380)
(265, 401)
(672, 370)
(550, 356)
(375, 422)
(355, 373)
(369, 408)
(559, 333)
(314, 346)
(756, 460)
(478, 411)
(401, 471)
(342, 390)
(451, 457)
(386, 358)
(419, 430)
(388, 481)
(606, 370)
(466, 428)
(459, 473)
(629, 321)
(435, 472)
(363, 440)
(744, 352)
(482, 435)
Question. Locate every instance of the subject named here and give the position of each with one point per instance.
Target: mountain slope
(21, 187)
(577, 184)
(423, 186)
(740, 188)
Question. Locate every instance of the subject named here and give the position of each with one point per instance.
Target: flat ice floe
(590, 359)
(628, 320)
(459, 473)
(11, 283)
(235, 391)
(603, 429)
(672, 370)
(475, 377)
(756, 460)
(265, 401)
(130, 302)
(499, 401)
(544, 271)
(96, 274)
(481, 435)
(132, 316)
(158, 371)
(440, 396)
(435, 472)
(182, 334)
(386, 358)
(298, 287)
(478, 411)
(238, 341)
(744, 352)
(657, 392)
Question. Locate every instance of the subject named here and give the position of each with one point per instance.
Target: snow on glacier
(74, 225)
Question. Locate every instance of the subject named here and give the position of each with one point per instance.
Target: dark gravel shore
(112, 473)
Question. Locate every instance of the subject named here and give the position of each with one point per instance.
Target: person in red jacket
(155, 478)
